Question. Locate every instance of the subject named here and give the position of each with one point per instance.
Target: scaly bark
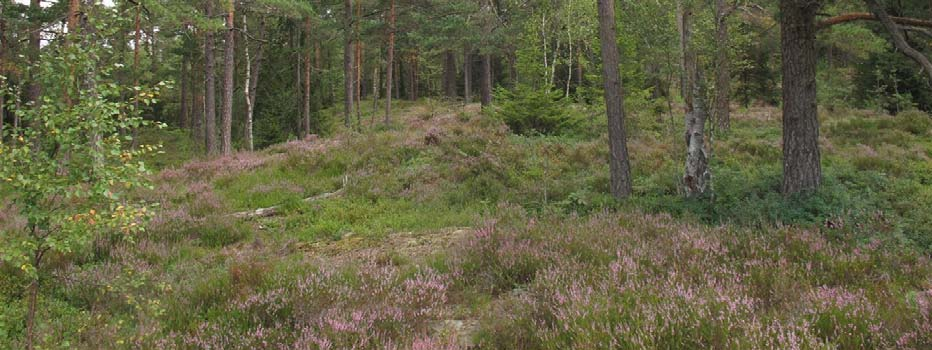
(390, 64)
(722, 67)
(802, 167)
(348, 66)
(619, 166)
(467, 75)
(307, 77)
(486, 79)
(210, 100)
(228, 71)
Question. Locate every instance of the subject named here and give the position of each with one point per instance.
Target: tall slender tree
(228, 72)
(486, 79)
(210, 98)
(349, 69)
(722, 66)
(619, 166)
(390, 63)
(467, 75)
(696, 175)
(307, 77)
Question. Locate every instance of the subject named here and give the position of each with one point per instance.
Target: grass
(549, 261)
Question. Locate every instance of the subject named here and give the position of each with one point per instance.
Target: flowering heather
(227, 165)
(369, 306)
(636, 281)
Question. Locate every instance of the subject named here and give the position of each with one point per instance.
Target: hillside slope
(446, 231)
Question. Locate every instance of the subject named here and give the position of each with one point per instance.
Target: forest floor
(446, 231)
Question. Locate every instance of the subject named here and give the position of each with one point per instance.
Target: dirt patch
(411, 245)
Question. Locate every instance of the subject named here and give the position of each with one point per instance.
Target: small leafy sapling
(68, 168)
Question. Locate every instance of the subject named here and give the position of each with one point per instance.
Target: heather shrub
(631, 281)
(364, 306)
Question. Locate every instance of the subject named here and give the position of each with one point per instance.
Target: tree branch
(898, 39)
(867, 16)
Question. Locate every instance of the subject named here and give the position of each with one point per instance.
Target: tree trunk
(228, 71)
(619, 166)
(696, 175)
(33, 301)
(197, 108)
(802, 167)
(723, 67)
(569, 69)
(137, 37)
(397, 77)
(307, 78)
(35, 42)
(896, 34)
(184, 121)
(390, 64)
(210, 100)
(449, 73)
(358, 77)
(467, 75)
(486, 79)
(415, 66)
(3, 83)
(252, 79)
(375, 90)
(348, 66)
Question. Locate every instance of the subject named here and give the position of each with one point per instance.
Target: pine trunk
(228, 71)
(486, 79)
(467, 75)
(390, 64)
(723, 68)
(307, 77)
(802, 167)
(348, 66)
(449, 73)
(184, 121)
(35, 42)
(210, 100)
(619, 166)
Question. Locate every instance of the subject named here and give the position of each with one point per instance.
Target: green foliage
(891, 81)
(530, 111)
(70, 166)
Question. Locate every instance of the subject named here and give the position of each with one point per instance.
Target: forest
(465, 174)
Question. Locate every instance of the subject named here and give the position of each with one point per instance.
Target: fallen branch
(272, 211)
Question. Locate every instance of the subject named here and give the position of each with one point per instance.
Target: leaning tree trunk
(210, 117)
(228, 70)
(723, 67)
(390, 64)
(486, 79)
(348, 66)
(696, 176)
(619, 166)
(802, 168)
